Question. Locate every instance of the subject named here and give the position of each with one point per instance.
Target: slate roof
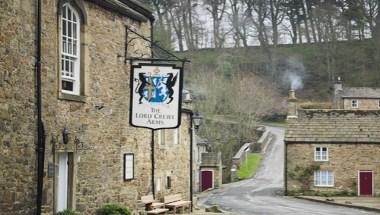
(334, 126)
(210, 159)
(202, 141)
(361, 92)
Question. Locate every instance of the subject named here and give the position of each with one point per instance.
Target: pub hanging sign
(156, 96)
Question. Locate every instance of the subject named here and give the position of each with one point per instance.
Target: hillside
(236, 88)
(316, 65)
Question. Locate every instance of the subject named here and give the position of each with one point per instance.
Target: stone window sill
(69, 97)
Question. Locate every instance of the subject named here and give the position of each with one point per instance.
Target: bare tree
(239, 23)
(217, 9)
(276, 17)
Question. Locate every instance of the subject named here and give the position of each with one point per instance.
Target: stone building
(202, 146)
(210, 171)
(355, 98)
(92, 155)
(333, 151)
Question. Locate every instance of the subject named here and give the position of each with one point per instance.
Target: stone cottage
(92, 155)
(355, 98)
(332, 151)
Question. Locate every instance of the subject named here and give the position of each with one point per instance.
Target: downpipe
(40, 126)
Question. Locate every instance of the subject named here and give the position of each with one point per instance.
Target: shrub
(113, 209)
(68, 212)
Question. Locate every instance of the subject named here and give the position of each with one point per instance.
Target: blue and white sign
(155, 96)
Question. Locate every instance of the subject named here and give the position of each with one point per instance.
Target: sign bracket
(159, 54)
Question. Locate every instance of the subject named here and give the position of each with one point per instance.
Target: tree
(217, 9)
(276, 8)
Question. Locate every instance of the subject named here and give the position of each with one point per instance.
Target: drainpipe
(191, 160)
(153, 166)
(40, 126)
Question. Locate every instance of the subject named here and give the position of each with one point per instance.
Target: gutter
(40, 126)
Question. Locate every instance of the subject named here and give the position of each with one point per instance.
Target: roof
(130, 8)
(210, 159)
(202, 141)
(334, 126)
(361, 92)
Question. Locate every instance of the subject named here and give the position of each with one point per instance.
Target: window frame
(125, 166)
(318, 177)
(67, 58)
(177, 136)
(352, 103)
(321, 153)
(378, 103)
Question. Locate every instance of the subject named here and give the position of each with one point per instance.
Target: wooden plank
(172, 198)
(158, 211)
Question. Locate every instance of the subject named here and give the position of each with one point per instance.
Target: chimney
(338, 92)
(292, 105)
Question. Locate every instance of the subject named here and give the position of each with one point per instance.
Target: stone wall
(17, 113)
(364, 104)
(211, 161)
(345, 160)
(173, 160)
(103, 134)
(97, 121)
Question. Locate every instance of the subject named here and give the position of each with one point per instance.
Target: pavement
(366, 203)
(263, 194)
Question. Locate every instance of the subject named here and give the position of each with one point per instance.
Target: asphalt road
(262, 195)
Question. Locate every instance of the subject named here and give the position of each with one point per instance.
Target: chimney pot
(292, 105)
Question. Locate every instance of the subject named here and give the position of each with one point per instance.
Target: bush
(68, 212)
(113, 209)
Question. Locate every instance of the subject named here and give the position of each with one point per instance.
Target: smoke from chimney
(294, 73)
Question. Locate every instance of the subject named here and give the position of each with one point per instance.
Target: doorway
(206, 180)
(365, 183)
(64, 181)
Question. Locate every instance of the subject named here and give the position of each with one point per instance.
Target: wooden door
(206, 180)
(365, 183)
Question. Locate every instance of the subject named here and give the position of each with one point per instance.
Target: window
(161, 137)
(323, 178)
(176, 136)
(158, 184)
(168, 182)
(70, 50)
(378, 104)
(321, 154)
(354, 103)
(128, 167)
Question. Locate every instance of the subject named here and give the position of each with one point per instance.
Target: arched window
(70, 50)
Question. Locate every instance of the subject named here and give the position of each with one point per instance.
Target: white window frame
(161, 137)
(176, 136)
(322, 178)
(319, 157)
(158, 184)
(70, 54)
(352, 103)
(129, 163)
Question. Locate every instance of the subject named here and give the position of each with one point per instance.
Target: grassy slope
(248, 169)
(354, 61)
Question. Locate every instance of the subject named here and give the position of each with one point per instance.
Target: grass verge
(249, 167)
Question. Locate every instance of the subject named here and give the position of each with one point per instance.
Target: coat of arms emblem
(155, 87)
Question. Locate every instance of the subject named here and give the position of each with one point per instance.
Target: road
(262, 195)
